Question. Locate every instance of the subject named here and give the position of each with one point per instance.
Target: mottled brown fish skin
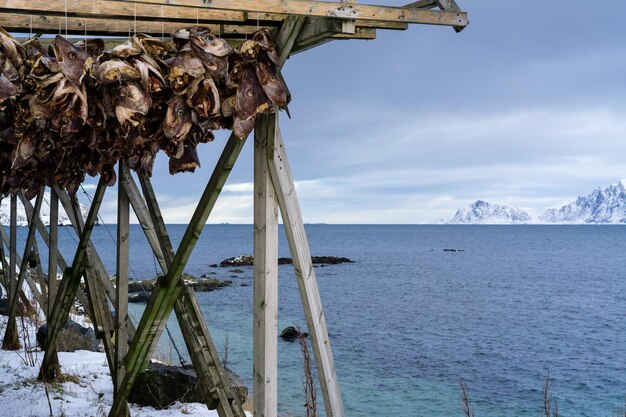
(251, 99)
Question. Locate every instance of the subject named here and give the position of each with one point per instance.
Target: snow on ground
(88, 392)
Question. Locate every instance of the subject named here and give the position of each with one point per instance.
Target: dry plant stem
(225, 360)
(309, 385)
(468, 411)
(548, 410)
(45, 387)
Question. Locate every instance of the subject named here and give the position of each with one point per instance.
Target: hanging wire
(65, 18)
(197, 17)
(30, 27)
(135, 19)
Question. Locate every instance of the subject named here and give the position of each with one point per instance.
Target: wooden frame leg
(305, 274)
(69, 285)
(265, 277)
(11, 340)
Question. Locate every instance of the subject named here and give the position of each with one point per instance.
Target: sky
(526, 107)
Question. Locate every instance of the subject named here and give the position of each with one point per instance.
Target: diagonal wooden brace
(309, 293)
(69, 285)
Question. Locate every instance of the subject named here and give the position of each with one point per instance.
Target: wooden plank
(9, 336)
(25, 23)
(450, 6)
(331, 9)
(53, 247)
(69, 285)
(109, 10)
(11, 339)
(305, 274)
(265, 277)
(121, 289)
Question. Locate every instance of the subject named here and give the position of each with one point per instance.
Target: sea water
(409, 320)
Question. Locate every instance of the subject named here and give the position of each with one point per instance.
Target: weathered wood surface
(53, 246)
(305, 274)
(10, 336)
(11, 340)
(69, 285)
(265, 276)
(25, 23)
(121, 287)
(331, 9)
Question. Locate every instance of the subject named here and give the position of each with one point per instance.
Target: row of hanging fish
(75, 109)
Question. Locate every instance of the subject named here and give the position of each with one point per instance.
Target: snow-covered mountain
(482, 212)
(602, 206)
(5, 212)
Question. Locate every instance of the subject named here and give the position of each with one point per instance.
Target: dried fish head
(187, 162)
(204, 97)
(251, 99)
(126, 49)
(209, 43)
(74, 62)
(7, 89)
(177, 119)
(151, 46)
(271, 83)
(264, 38)
(130, 100)
(185, 68)
(93, 46)
(109, 72)
(242, 128)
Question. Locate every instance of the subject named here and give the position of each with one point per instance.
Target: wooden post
(305, 274)
(121, 289)
(11, 339)
(265, 276)
(69, 285)
(53, 240)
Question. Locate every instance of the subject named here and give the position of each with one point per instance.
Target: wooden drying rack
(298, 25)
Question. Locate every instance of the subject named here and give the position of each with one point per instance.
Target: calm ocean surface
(409, 321)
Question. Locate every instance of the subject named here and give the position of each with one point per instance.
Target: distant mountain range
(602, 206)
(22, 220)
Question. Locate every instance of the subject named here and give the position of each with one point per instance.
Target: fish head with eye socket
(74, 62)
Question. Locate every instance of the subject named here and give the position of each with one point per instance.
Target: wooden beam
(53, 246)
(11, 339)
(265, 276)
(305, 274)
(69, 285)
(25, 23)
(121, 289)
(422, 4)
(10, 336)
(330, 9)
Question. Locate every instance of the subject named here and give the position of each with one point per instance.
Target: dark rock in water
(141, 286)
(138, 297)
(206, 284)
(236, 271)
(213, 266)
(243, 284)
(72, 337)
(454, 250)
(247, 260)
(291, 333)
(161, 385)
(243, 260)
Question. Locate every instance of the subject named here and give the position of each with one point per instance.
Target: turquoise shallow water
(409, 321)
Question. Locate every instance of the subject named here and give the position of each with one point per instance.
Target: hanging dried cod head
(74, 62)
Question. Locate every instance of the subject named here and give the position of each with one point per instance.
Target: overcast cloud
(526, 107)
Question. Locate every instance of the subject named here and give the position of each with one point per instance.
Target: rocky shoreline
(248, 260)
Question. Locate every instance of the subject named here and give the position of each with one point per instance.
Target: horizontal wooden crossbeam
(225, 17)
(347, 11)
